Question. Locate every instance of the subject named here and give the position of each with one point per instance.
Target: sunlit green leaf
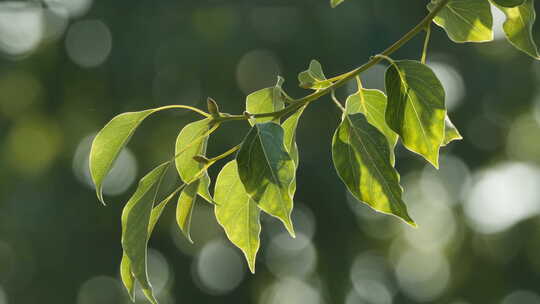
(416, 108)
(184, 209)
(109, 142)
(361, 157)
(125, 266)
(135, 227)
(267, 171)
(266, 101)
(465, 20)
(313, 77)
(519, 25)
(451, 133)
(508, 3)
(289, 138)
(372, 103)
(192, 142)
(335, 3)
(237, 213)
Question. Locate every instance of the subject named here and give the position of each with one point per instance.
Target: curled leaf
(313, 77)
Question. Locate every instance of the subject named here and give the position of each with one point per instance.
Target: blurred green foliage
(66, 71)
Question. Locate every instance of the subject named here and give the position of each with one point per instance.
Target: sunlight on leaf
(451, 133)
(237, 213)
(361, 158)
(416, 110)
(508, 3)
(192, 142)
(184, 209)
(313, 77)
(335, 3)
(135, 227)
(126, 273)
(289, 138)
(267, 171)
(518, 27)
(465, 20)
(372, 103)
(265, 101)
(109, 142)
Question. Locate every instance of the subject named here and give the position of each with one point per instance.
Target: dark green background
(59, 245)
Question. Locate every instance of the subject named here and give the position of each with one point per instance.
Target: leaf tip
(412, 224)
(251, 265)
(149, 293)
(188, 237)
(99, 193)
(290, 229)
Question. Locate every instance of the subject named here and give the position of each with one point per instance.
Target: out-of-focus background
(65, 71)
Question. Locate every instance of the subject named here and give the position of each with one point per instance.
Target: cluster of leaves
(262, 175)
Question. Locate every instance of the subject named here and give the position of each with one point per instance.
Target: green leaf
(372, 103)
(361, 158)
(192, 141)
(465, 20)
(289, 138)
(313, 77)
(125, 265)
(267, 171)
(237, 213)
(518, 27)
(451, 133)
(508, 3)
(265, 101)
(136, 224)
(109, 142)
(184, 209)
(335, 3)
(416, 108)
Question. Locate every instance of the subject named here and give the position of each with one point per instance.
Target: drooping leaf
(313, 77)
(184, 209)
(289, 138)
(416, 109)
(335, 3)
(519, 25)
(372, 103)
(237, 213)
(109, 142)
(265, 101)
(508, 3)
(267, 171)
(135, 228)
(465, 20)
(125, 265)
(362, 160)
(192, 142)
(451, 133)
